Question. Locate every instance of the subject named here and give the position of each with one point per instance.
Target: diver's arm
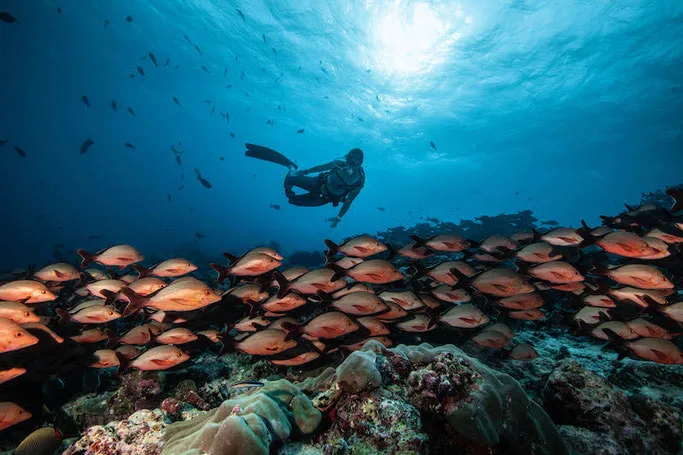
(346, 206)
(321, 168)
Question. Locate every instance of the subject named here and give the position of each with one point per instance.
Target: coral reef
(248, 424)
(594, 410)
(414, 399)
(139, 434)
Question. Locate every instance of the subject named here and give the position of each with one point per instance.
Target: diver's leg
(307, 200)
(310, 184)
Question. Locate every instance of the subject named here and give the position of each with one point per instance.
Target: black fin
(283, 284)
(339, 272)
(112, 336)
(124, 363)
(109, 296)
(267, 154)
(87, 258)
(292, 330)
(136, 301)
(333, 248)
(64, 316)
(231, 258)
(223, 272)
(142, 271)
(677, 196)
(419, 242)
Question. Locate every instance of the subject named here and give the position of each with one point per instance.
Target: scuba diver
(338, 181)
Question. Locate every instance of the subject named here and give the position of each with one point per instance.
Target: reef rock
(419, 399)
(247, 424)
(591, 410)
(139, 434)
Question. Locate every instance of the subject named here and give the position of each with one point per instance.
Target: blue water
(568, 108)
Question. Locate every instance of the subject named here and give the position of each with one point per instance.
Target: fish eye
(19, 334)
(27, 314)
(207, 292)
(179, 354)
(111, 313)
(44, 292)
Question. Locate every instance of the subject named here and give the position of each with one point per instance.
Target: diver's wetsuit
(331, 186)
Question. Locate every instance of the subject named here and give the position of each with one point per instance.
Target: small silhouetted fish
(227, 117)
(175, 100)
(168, 60)
(169, 197)
(86, 101)
(242, 75)
(275, 206)
(381, 209)
(232, 135)
(106, 23)
(7, 17)
(131, 75)
(225, 72)
(274, 51)
(86, 145)
(207, 101)
(199, 235)
(205, 68)
(153, 59)
(300, 131)
(179, 160)
(360, 119)
(228, 86)
(130, 109)
(432, 145)
(140, 70)
(2, 142)
(222, 158)
(202, 180)
(20, 152)
(433, 220)
(516, 193)
(188, 39)
(213, 109)
(239, 11)
(113, 105)
(59, 10)
(129, 145)
(129, 18)
(198, 49)
(264, 37)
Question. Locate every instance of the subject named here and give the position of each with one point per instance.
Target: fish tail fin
(142, 271)
(292, 330)
(230, 258)
(434, 314)
(615, 342)
(136, 301)
(109, 296)
(585, 226)
(113, 274)
(522, 267)
(112, 336)
(419, 242)
(82, 280)
(419, 268)
(339, 272)
(463, 280)
(332, 248)
(124, 363)
(255, 309)
(283, 284)
(325, 298)
(228, 343)
(223, 272)
(472, 244)
(392, 252)
(88, 258)
(677, 195)
(64, 316)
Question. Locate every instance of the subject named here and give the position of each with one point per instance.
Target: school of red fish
(619, 280)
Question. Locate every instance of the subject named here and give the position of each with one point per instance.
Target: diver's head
(355, 157)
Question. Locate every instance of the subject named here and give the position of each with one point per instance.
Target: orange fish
(57, 272)
(373, 271)
(17, 312)
(120, 256)
(11, 373)
(361, 247)
(170, 268)
(491, 339)
(159, 358)
(523, 351)
(464, 316)
(14, 337)
(184, 294)
(12, 414)
(179, 335)
(26, 291)
(360, 304)
(447, 242)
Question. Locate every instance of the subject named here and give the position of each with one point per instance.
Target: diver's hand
(334, 221)
(296, 173)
